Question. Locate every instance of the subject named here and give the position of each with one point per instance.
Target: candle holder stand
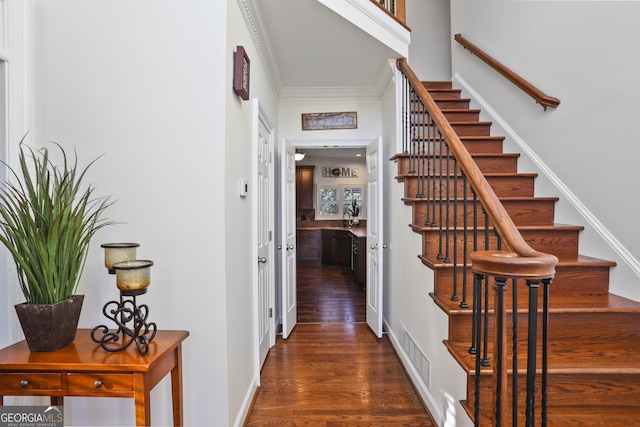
(131, 320)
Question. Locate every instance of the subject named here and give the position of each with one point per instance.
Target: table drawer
(30, 382)
(106, 382)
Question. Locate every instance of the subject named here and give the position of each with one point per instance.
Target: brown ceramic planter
(48, 327)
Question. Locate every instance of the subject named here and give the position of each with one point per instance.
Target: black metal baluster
(448, 200)
(465, 241)
(486, 307)
(476, 301)
(454, 297)
(436, 135)
(498, 363)
(421, 158)
(532, 342)
(440, 185)
(428, 221)
(485, 351)
(545, 349)
(477, 320)
(412, 150)
(514, 367)
(404, 113)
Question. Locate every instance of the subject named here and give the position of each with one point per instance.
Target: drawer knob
(97, 384)
(24, 383)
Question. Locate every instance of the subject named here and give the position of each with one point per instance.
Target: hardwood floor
(329, 294)
(332, 370)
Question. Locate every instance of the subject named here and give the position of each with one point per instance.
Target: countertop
(359, 231)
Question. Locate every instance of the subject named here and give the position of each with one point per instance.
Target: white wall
(148, 84)
(429, 51)
(369, 119)
(579, 52)
(239, 241)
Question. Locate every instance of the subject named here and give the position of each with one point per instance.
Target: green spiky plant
(47, 218)
(354, 209)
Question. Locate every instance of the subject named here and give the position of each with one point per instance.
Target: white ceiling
(313, 47)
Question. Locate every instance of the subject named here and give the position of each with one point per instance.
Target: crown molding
(340, 94)
(333, 95)
(252, 13)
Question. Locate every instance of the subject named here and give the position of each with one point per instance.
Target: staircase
(594, 336)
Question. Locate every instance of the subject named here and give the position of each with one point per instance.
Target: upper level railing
(540, 97)
(475, 231)
(395, 8)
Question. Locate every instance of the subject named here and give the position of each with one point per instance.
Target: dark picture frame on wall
(322, 121)
(241, 69)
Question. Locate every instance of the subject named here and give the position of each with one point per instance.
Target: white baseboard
(243, 413)
(415, 377)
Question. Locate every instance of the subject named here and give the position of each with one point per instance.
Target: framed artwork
(241, 65)
(320, 121)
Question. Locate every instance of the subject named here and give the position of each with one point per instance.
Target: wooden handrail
(398, 12)
(540, 97)
(522, 261)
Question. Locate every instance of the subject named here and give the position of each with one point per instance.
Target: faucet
(346, 222)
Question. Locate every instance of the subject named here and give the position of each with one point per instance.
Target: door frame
(314, 143)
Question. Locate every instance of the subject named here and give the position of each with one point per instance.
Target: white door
(288, 238)
(264, 230)
(374, 237)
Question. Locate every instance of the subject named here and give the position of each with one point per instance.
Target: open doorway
(333, 233)
(331, 229)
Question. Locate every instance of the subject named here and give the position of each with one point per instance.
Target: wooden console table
(83, 368)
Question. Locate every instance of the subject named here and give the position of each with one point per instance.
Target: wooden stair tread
(479, 155)
(580, 261)
(563, 303)
(503, 199)
(483, 137)
(578, 415)
(402, 177)
(582, 357)
(422, 228)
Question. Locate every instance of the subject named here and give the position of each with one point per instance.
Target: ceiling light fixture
(299, 155)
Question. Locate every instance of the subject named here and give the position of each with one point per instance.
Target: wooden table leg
(142, 400)
(176, 388)
(57, 400)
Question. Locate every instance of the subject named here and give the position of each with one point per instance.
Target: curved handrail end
(510, 265)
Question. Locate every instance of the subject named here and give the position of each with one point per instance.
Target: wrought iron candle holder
(132, 279)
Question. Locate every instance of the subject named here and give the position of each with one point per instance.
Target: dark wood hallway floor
(332, 370)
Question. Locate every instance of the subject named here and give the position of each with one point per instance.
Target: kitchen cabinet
(359, 258)
(308, 243)
(336, 247)
(304, 188)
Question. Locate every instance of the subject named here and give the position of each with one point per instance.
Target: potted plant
(354, 211)
(47, 218)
